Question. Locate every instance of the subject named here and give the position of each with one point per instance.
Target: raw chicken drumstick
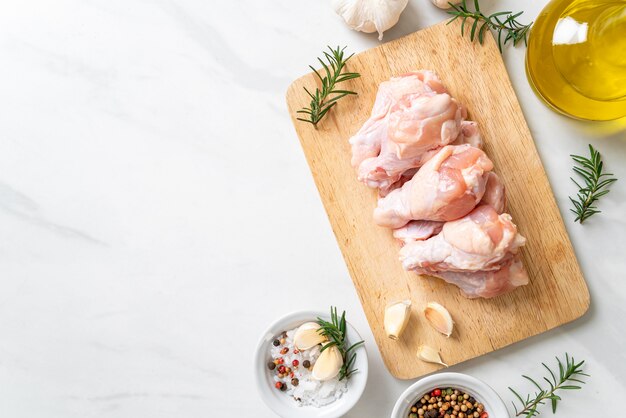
(478, 253)
(387, 172)
(417, 231)
(421, 230)
(494, 193)
(447, 187)
(485, 284)
(366, 142)
(413, 116)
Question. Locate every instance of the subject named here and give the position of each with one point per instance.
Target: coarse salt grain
(309, 392)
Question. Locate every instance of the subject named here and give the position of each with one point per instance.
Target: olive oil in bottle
(576, 58)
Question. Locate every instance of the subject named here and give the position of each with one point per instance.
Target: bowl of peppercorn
(309, 380)
(449, 395)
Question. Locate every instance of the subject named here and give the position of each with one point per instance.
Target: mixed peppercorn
(448, 403)
(285, 371)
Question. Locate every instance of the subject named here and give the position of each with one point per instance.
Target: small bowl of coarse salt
(298, 376)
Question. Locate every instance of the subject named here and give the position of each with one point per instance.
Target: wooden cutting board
(476, 76)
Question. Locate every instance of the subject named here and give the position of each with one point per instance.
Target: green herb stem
(596, 183)
(568, 373)
(326, 97)
(337, 332)
(504, 23)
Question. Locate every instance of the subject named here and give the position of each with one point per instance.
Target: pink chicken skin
(446, 188)
(485, 284)
(387, 172)
(413, 117)
(417, 231)
(421, 230)
(495, 195)
(478, 253)
(421, 122)
(366, 143)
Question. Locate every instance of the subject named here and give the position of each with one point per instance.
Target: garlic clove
(396, 318)
(439, 318)
(328, 364)
(308, 336)
(445, 4)
(429, 355)
(370, 15)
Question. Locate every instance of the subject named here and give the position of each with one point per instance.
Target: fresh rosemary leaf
(326, 96)
(568, 372)
(336, 331)
(596, 183)
(501, 22)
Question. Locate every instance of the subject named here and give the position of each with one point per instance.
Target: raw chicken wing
(385, 171)
(447, 187)
(422, 122)
(417, 230)
(366, 142)
(478, 253)
(494, 193)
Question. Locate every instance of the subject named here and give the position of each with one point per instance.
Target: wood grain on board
(476, 76)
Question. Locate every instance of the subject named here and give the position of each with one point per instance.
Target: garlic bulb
(308, 336)
(439, 318)
(328, 364)
(370, 15)
(430, 355)
(396, 318)
(445, 4)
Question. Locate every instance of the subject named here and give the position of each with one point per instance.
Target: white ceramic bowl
(284, 405)
(477, 388)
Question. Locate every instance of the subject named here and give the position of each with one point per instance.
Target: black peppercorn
(276, 343)
(306, 364)
(271, 365)
(283, 387)
(295, 381)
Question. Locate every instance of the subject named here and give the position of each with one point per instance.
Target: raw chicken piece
(469, 135)
(494, 193)
(383, 172)
(421, 230)
(478, 241)
(417, 230)
(478, 253)
(447, 187)
(421, 122)
(366, 142)
(485, 284)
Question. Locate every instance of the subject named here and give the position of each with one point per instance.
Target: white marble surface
(156, 210)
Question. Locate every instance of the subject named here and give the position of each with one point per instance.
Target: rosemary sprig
(504, 23)
(570, 372)
(337, 332)
(321, 101)
(590, 169)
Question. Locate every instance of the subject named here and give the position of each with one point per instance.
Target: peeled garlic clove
(307, 336)
(439, 318)
(370, 15)
(396, 318)
(430, 355)
(328, 364)
(445, 4)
